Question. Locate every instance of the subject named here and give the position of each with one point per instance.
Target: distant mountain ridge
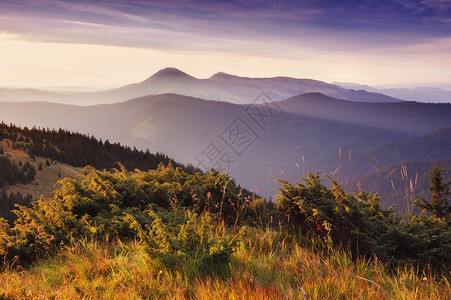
(220, 87)
(402, 116)
(280, 88)
(314, 133)
(420, 94)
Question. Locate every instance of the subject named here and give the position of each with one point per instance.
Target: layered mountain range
(295, 126)
(221, 87)
(420, 93)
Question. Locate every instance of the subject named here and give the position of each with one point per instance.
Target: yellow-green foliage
(358, 222)
(98, 203)
(165, 234)
(197, 244)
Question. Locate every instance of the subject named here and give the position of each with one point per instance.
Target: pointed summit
(167, 73)
(170, 72)
(174, 81)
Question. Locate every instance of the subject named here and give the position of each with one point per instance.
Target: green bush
(197, 245)
(358, 222)
(182, 217)
(98, 202)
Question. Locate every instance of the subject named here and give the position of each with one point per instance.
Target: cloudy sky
(111, 43)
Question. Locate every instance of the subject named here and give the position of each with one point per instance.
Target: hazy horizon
(97, 88)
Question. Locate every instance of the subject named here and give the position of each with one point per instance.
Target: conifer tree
(439, 205)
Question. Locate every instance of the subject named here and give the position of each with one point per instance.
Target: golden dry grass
(261, 268)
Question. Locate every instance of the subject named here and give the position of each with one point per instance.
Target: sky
(48, 43)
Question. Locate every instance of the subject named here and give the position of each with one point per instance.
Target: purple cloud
(212, 25)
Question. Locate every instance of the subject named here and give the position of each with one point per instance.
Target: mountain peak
(170, 72)
(222, 75)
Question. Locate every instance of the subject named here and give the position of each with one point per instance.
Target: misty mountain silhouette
(313, 126)
(420, 94)
(411, 117)
(220, 87)
(280, 88)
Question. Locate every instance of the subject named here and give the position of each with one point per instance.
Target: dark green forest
(11, 173)
(60, 145)
(80, 150)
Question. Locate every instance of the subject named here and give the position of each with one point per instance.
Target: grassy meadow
(264, 266)
(166, 234)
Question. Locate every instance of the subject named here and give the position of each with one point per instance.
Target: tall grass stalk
(265, 265)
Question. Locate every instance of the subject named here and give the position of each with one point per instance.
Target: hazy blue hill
(435, 145)
(23, 94)
(431, 146)
(393, 182)
(307, 136)
(421, 94)
(409, 117)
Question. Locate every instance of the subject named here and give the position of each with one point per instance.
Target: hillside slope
(48, 171)
(98, 243)
(312, 132)
(33, 160)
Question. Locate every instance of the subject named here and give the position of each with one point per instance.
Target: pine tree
(439, 205)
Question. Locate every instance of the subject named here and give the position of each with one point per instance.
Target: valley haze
(314, 126)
